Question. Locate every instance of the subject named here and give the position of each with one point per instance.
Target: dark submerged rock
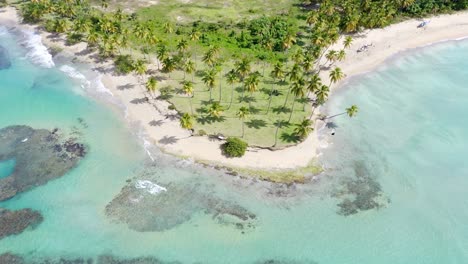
(146, 212)
(15, 222)
(8, 258)
(360, 192)
(5, 62)
(107, 259)
(40, 156)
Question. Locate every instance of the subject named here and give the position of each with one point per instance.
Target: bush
(202, 132)
(74, 38)
(124, 64)
(234, 147)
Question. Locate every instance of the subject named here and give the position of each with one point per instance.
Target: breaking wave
(37, 52)
(151, 187)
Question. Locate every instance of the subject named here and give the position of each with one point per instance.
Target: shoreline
(165, 132)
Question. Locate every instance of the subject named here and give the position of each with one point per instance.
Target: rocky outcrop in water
(360, 192)
(142, 260)
(15, 222)
(5, 62)
(143, 211)
(9, 258)
(40, 156)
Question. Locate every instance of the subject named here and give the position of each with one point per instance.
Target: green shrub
(74, 38)
(171, 107)
(124, 64)
(202, 132)
(234, 147)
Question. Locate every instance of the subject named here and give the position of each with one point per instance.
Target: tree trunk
(330, 117)
(276, 136)
(312, 114)
(220, 79)
(191, 107)
(232, 97)
(269, 101)
(287, 97)
(242, 96)
(292, 109)
(243, 128)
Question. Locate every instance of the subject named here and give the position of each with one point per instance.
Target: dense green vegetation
(234, 147)
(352, 15)
(253, 74)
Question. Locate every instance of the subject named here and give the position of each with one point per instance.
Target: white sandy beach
(167, 134)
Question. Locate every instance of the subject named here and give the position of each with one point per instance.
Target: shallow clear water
(407, 145)
(7, 167)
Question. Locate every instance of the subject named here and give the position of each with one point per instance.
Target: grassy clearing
(214, 10)
(259, 126)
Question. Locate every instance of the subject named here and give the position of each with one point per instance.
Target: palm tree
(298, 90)
(209, 58)
(242, 114)
(347, 42)
(312, 17)
(194, 35)
(295, 73)
(151, 85)
(243, 68)
(104, 4)
(336, 75)
(303, 129)
(161, 53)
(168, 28)
(331, 56)
(188, 90)
(251, 84)
(341, 55)
(215, 110)
(182, 45)
(350, 111)
(231, 78)
(209, 78)
(92, 39)
(140, 67)
(288, 41)
(308, 63)
(186, 121)
(279, 124)
(169, 65)
(276, 73)
(313, 84)
(322, 94)
(298, 56)
(189, 67)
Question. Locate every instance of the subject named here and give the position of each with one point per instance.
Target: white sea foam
(74, 73)
(151, 187)
(91, 85)
(3, 31)
(147, 145)
(37, 52)
(97, 84)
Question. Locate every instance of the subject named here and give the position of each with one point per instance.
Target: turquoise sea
(394, 190)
